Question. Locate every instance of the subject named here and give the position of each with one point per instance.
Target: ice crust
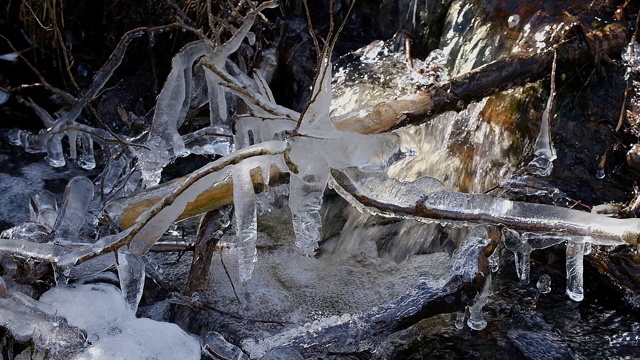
(112, 329)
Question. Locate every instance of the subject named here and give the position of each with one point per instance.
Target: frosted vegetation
(268, 139)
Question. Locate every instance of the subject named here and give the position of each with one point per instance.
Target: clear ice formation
(282, 353)
(631, 56)
(544, 151)
(521, 251)
(216, 346)
(110, 325)
(164, 143)
(131, 273)
(30, 321)
(77, 200)
(522, 244)
(245, 213)
(476, 320)
(575, 268)
(552, 225)
(544, 284)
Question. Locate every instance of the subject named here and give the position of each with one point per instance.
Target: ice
(112, 328)
(87, 159)
(29, 249)
(131, 272)
(202, 142)
(31, 322)
(77, 199)
(245, 213)
(282, 353)
(476, 320)
(164, 141)
(521, 251)
(544, 284)
(459, 322)
(198, 182)
(32, 231)
(4, 97)
(631, 56)
(114, 169)
(317, 114)
(544, 152)
(55, 156)
(575, 269)
(219, 348)
(305, 201)
(44, 208)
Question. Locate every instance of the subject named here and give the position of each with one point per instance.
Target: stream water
(366, 262)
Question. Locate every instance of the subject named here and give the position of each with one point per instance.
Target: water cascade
(343, 236)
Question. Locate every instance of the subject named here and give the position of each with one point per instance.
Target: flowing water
(367, 262)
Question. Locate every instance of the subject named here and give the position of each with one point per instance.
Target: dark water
(522, 325)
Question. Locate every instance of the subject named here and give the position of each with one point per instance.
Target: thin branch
(63, 94)
(226, 271)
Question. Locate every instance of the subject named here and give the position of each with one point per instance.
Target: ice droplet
(459, 324)
(544, 284)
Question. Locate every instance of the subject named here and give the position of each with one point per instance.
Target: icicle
(77, 198)
(575, 257)
(494, 261)
(244, 202)
(164, 141)
(113, 171)
(305, 201)
(87, 159)
(476, 320)
(44, 208)
(263, 86)
(459, 323)
(542, 164)
(55, 156)
(131, 273)
(521, 251)
(73, 144)
(133, 183)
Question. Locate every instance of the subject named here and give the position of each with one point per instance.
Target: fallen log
(517, 69)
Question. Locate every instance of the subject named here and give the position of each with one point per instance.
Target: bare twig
(180, 299)
(226, 271)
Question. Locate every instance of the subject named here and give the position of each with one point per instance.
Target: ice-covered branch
(153, 222)
(488, 79)
(426, 201)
